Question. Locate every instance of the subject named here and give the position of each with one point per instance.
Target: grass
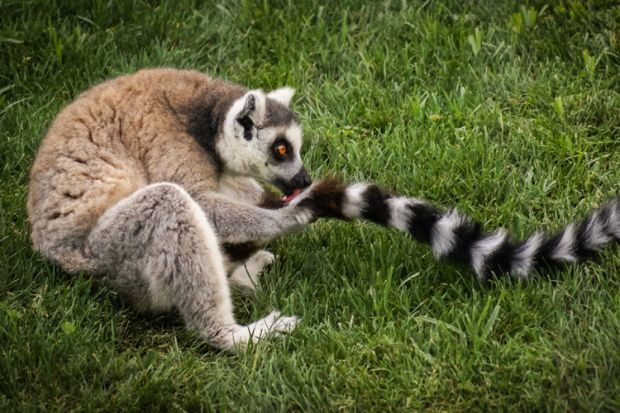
(509, 112)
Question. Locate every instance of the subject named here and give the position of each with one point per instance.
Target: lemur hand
(324, 199)
(296, 217)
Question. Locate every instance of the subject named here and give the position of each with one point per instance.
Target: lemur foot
(274, 324)
(246, 276)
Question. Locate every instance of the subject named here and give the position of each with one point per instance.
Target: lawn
(509, 112)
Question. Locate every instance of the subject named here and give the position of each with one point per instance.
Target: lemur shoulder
(151, 181)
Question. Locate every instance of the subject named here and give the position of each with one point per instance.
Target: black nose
(301, 179)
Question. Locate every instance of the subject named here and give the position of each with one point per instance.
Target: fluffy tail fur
(457, 238)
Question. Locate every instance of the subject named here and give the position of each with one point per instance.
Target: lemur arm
(237, 223)
(457, 238)
(240, 252)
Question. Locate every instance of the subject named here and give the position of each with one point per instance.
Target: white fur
(482, 249)
(240, 155)
(282, 95)
(614, 220)
(565, 248)
(273, 324)
(523, 258)
(354, 202)
(240, 188)
(442, 238)
(303, 216)
(294, 134)
(400, 214)
(231, 127)
(260, 102)
(595, 236)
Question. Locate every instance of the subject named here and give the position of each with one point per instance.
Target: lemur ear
(249, 106)
(252, 113)
(282, 95)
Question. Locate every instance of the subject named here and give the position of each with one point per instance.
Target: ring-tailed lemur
(149, 181)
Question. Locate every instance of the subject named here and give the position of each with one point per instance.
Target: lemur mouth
(286, 198)
(291, 188)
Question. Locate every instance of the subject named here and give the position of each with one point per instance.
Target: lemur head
(261, 137)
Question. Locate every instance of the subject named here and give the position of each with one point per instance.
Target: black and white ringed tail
(457, 238)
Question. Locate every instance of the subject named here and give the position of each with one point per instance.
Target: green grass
(509, 112)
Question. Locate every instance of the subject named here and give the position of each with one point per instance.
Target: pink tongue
(289, 198)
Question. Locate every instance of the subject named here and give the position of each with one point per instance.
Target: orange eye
(281, 150)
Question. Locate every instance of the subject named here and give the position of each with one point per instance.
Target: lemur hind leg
(246, 275)
(157, 248)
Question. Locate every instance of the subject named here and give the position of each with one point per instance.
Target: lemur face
(262, 138)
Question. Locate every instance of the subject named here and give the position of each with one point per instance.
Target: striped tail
(457, 238)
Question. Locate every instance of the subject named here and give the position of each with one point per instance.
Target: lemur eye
(281, 150)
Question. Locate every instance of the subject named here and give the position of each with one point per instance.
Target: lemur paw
(262, 258)
(276, 323)
(246, 276)
(304, 216)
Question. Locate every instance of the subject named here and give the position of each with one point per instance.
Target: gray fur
(278, 114)
(159, 250)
